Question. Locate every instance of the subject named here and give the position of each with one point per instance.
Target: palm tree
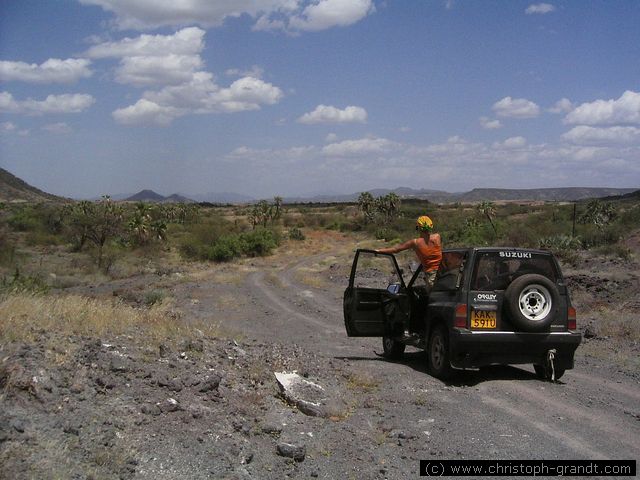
(393, 204)
(366, 204)
(277, 207)
(489, 210)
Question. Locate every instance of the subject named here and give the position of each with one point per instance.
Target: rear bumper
(472, 349)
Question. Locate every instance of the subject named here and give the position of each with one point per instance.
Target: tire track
(632, 394)
(609, 432)
(578, 444)
(257, 283)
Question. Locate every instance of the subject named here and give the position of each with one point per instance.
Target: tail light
(571, 320)
(461, 316)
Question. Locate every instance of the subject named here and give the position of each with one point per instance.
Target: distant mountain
(403, 192)
(153, 197)
(145, 196)
(177, 198)
(568, 194)
(13, 189)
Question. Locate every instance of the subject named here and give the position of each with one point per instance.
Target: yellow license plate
(483, 319)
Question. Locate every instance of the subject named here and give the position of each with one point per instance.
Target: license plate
(483, 319)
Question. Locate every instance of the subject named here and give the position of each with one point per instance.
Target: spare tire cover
(532, 301)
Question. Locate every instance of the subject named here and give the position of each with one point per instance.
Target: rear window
(496, 270)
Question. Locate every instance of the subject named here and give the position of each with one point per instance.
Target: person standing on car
(428, 249)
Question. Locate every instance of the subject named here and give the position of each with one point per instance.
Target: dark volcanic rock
(289, 450)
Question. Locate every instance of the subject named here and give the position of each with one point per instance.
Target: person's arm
(398, 248)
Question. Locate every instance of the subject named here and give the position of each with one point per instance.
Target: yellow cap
(424, 223)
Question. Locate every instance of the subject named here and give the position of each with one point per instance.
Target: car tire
(532, 301)
(544, 373)
(392, 348)
(438, 353)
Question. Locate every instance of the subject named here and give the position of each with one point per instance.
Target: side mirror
(393, 288)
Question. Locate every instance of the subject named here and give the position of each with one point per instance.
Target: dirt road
(396, 414)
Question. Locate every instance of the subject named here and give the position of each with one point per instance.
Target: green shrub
(383, 234)
(24, 220)
(560, 242)
(19, 283)
(296, 234)
(225, 249)
(7, 250)
(259, 242)
(154, 296)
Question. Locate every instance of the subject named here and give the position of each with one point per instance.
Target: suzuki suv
(488, 306)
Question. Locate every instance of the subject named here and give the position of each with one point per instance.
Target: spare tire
(532, 301)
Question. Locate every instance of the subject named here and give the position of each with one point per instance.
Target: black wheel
(544, 373)
(438, 360)
(532, 301)
(393, 349)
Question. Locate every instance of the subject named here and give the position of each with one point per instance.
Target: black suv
(488, 306)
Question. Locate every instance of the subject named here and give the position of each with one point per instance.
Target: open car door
(375, 301)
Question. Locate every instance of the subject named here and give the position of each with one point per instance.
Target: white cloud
(9, 128)
(66, 103)
(200, 95)
(516, 108)
(624, 110)
(564, 105)
(512, 142)
(146, 112)
(173, 62)
(489, 124)
(60, 128)
(272, 157)
(330, 114)
(255, 71)
(379, 161)
(596, 135)
(363, 146)
(331, 138)
(155, 59)
(539, 8)
(53, 70)
(188, 41)
(307, 15)
(171, 69)
(325, 14)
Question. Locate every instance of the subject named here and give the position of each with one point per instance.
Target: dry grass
(617, 323)
(362, 381)
(24, 316)
(229, 274)
(617, 336)
(312, 279)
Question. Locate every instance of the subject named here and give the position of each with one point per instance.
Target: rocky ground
(205, 406)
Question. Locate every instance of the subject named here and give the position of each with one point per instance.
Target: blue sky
(300, 97)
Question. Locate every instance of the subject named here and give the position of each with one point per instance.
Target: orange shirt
(429, 252)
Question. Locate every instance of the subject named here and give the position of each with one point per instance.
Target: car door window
(376, 272)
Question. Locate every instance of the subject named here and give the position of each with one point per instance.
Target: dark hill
(13, 189)
(145, 196)
(153, 197)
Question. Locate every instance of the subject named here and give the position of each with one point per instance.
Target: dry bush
(24, 316)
